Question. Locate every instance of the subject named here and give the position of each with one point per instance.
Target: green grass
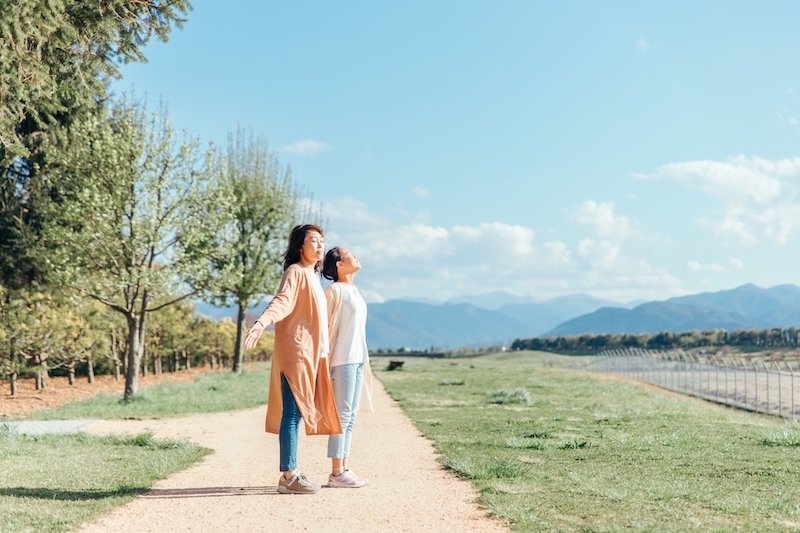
(219, 391)
(57, 482)
(597, 454)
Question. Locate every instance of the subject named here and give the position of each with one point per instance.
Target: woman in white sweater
(351, 377)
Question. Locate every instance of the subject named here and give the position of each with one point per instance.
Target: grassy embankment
(219, 391)
(56, 482)
(596, 453)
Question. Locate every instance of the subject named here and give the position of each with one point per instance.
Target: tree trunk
(116, 370)
(13, 384)
(239, 348)
(135, 353)
(39, 385)
(90, 369)
(187, 361)
(71, 369)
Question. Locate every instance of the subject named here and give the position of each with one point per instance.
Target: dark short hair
(329, 269)
(296, 240)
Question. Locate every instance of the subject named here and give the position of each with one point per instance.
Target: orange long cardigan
(297, 355)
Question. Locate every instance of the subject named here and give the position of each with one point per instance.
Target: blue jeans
(346, 381)
(289, 432)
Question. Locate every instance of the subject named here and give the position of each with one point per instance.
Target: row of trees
(758, 338)
(107, 214)
(44, 334)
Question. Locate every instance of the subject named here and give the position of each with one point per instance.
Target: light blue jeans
(346, 381)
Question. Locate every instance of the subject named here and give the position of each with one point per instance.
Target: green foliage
(57, 482)
(56, 55)
(219, 391)
(267, 204)
(590, 343)
(594, 453)
(140, 223)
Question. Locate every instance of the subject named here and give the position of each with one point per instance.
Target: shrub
(507, 396)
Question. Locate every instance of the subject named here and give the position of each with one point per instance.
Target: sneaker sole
(332, 486)
(283, 490)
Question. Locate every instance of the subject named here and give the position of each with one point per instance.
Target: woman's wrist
(259, 323)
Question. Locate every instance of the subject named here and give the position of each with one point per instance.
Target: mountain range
(499, 318)
(744, 307)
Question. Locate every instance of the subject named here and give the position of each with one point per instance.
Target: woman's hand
(253, 335)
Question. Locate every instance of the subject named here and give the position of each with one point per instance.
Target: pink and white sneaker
(346, 480)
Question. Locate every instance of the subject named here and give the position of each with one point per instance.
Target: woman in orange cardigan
(300, 384)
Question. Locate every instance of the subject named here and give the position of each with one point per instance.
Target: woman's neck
(347, 278)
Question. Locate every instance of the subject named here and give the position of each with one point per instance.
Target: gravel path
(233, 490)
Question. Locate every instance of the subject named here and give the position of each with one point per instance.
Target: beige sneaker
(297, 484)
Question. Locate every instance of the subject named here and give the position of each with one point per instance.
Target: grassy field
(222, 391)
(56, 482)
(555, 449)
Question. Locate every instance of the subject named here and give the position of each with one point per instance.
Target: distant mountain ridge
(500, 318)
(744, 307)
(404, 324)
(412, 324)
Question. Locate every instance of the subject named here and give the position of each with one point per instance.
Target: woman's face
(313, 249)
(348, 263)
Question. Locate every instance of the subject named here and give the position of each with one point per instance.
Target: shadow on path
(205, 492)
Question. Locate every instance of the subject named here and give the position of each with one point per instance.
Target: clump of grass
(788, 436)
(484, 468)
(574, 444)
(525, 443)
(538, 435)
(451, 381)
(519, 395)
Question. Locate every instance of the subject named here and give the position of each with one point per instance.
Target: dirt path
(233, 490)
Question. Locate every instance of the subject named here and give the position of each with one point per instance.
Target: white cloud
(419, 192)
(642, 46)
(759, 198)
(696, 266)
(732, 263)
(305, 147)
(406, 258)
(600, 218)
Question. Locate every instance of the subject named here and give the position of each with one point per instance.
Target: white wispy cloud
(305, 147)
(600, 218)
(406, 258)
(642, 46)
(731, 264)
(419, 192)
(759, 199)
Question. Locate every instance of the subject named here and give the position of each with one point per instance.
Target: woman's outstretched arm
(279, 307)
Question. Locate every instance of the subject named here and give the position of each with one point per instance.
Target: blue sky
(626, 150)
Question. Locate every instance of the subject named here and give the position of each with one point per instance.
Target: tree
(55, 57)
(139, 222)
(267, 205)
